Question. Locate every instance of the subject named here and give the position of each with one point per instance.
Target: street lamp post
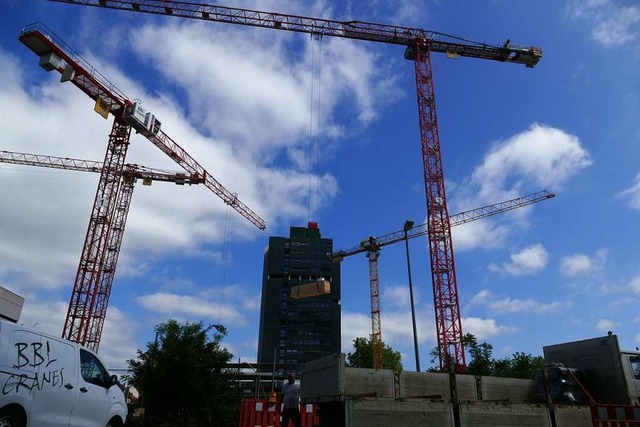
(408, 225)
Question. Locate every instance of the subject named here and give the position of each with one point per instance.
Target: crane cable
(315, 146)
(223, 273)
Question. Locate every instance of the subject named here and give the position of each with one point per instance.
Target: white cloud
(119, 339)
(484, 328)
(614, 23)
(485, 234)
(539, 157)
(581, 264)
(633, 193)
(605, 325)
(184, 306)
(506, 350)
(511, 305)
(262, 102)
(528, 261)
(397, 296)
(396, 327)
(48, 317)
(354, 325)
(481, 297)
(635, 284)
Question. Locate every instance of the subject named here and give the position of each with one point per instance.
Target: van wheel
(113, 422)
(11, 418)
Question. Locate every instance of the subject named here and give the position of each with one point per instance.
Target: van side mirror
(113, 380)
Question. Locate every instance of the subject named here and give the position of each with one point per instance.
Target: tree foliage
(362, 356)
(480, 361)
(182, 378)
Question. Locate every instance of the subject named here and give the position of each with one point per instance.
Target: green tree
(362, 356)
(525, 365)
(480, 360)
(182, 378)
(502, 367)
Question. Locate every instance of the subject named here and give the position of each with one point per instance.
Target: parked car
(47, 381)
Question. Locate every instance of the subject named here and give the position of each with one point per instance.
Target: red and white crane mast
(419, 44)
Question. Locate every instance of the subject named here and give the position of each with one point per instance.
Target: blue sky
(274, 114)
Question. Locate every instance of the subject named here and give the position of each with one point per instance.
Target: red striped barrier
(261, 413)
(615, 416)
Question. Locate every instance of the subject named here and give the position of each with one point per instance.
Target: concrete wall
(369, 382)
(391, 412)
(323, 379)
(571, 415)
(379, 398)
(435, 385)
(512, 390)
(385, 412)
(487, 414)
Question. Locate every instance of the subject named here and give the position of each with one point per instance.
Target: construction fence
(262, 413)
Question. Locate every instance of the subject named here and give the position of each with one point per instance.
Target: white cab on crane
(136, 116)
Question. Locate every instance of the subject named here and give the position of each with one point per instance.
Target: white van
(47, 381)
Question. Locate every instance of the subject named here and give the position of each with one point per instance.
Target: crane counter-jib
(357, 30)
(54, 53)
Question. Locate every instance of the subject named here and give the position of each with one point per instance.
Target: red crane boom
(419, 45)
(373, 245)
(92, 286)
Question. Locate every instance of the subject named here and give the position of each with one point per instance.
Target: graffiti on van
(34, 355)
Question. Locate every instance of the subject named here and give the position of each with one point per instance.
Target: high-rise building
(294, 331)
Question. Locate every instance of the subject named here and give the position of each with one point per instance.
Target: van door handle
(68, 386)
(84, 390)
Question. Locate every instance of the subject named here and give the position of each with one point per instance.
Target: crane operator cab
(140, 119)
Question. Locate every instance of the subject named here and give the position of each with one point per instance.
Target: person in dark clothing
(290, 398)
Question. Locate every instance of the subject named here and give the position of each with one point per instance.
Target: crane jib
(357, 30)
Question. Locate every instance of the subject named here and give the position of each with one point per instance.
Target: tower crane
(419, 44)
(130, 174)
(90, 295)
(373, 245)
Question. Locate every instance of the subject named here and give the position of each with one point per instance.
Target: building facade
(296, 330)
